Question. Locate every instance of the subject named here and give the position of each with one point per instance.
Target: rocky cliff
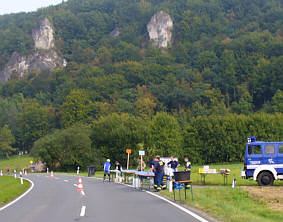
(160, 29)
(45, 56)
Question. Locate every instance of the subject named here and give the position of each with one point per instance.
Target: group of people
(156, 165)
(107, 168)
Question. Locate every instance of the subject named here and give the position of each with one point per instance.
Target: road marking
(66, 181)
(83, 193)
(20, 197)
(179, 207)
(75, 185)
(174, 204)
(83, 211)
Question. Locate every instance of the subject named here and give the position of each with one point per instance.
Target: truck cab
(263, 161)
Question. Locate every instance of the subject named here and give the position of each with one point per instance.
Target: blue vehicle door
(254, 157)
(279, 161)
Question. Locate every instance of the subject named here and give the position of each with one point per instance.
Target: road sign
(129, 151)
(141, 152)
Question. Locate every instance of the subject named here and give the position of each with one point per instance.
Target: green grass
(15, 162)
(231, 205)
(10, 188)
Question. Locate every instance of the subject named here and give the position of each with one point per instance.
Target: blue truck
(263, 161)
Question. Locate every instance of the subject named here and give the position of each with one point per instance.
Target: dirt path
(273, 196)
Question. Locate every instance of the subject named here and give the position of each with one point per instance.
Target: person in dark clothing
(158, 169)
(119, 167)
(173, 163)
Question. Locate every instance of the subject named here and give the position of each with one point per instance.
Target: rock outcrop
(115, 33)
(45, 56)
(160, 29)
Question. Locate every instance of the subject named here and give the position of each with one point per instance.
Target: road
(57, 200)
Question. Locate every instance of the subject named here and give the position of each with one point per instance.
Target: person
(173, 163)
(107, 167)
(188, 167)
(158, 169)
(8, 170)
(141, 166)
(119, 167)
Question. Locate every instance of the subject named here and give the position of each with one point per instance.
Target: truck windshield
(269, 149)
(254, 149)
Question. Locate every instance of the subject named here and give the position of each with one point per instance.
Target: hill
(189, 58)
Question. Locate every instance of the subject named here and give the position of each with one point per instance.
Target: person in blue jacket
(107, 167)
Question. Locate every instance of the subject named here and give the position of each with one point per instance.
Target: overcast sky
(13, 6)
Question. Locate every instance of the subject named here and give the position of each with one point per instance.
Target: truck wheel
(265, 179)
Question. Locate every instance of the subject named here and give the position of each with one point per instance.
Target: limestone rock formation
(115, 33)
(45, 56)
(43, 35)
(160, 29)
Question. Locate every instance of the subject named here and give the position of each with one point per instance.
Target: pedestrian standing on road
(173, 163)
(106, 167)
(159, 173)
(188, 167)
(119, 167)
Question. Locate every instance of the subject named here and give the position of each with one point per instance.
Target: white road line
(20, 197)
(179, 207)
(75, 185)
(83, 193)
(83, 211)
(175, 205)
(66, 181)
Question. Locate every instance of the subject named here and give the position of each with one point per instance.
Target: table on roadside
(178, 185)
(145, 175)
(128, 173)
(204, 174)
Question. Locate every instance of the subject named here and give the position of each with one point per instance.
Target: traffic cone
(80, 185)
(51, 174)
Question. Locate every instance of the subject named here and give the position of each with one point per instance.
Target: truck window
(269, 149)
(254, 149)
(281, 148)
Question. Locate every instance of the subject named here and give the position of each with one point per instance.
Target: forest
(220, 82)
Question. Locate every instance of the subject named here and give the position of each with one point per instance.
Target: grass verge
(10, 188)
(15, 162)
(230, 205)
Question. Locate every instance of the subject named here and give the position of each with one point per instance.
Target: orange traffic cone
(51, 174)
(80, 185)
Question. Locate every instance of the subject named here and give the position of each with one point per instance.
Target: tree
(6, 140)
(165, 136)
(34, 122)
(65, 149)
(277, 101)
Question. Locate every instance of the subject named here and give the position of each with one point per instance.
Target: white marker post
(47, 170)
(78, 170)
(21, 177)
(15, 174)
(1, 173)
(234, 183)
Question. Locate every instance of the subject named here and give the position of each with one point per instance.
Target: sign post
(141, 153)
(128, 151)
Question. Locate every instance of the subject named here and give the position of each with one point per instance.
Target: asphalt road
(57, 200)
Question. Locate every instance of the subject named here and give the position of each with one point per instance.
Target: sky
(13, 6)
